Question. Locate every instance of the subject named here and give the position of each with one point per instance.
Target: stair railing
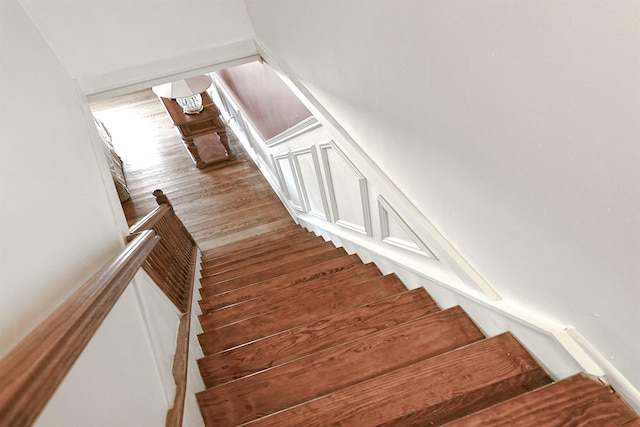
(32, 371)
(171, 265)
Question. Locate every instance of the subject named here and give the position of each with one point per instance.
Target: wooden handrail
(31, 372)
(180, 368)
(150, 220)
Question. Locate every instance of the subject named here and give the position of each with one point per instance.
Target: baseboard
(610, 374)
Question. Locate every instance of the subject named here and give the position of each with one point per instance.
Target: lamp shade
(183, 88)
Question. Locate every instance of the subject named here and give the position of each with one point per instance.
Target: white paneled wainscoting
(332, 188)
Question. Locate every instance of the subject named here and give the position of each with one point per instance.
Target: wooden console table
(192, 126)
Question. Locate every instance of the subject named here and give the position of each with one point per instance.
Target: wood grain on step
(325, 333)
(290, 295)
(230, 205)
(338, 367)
(266, 261)
(430, 392)
(270, 236)
(220, 339)
(279, 269)
(575, 401)
(218, 263)
(244, 234)
(251, 219)
(211, 299)
(226, 210)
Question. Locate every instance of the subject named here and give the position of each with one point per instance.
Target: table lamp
(186, 92)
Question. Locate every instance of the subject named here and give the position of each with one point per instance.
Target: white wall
(513, 127)
(107, 44)
(115, 381)
(59, 212)
(60, 221)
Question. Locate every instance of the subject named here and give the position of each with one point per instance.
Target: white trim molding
(385, 210)
(301, 128)
(364, 228)
(294, 192)
(604, 370)
(304, 186)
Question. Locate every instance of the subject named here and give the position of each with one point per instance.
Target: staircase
(300, 333)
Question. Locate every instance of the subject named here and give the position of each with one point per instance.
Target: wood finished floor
(220, 204)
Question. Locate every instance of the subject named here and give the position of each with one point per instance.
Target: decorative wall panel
(395, 231)
(348, 191)
(307, 167)
(289, 181)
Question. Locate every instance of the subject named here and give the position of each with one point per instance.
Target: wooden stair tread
(232, 226)
(265, 261)
(577, 400)
(430, 392)
(290, 295)
(213, 298)
(248, 255)
(244, 230)
(337, 367)
(303, 340)
(235, 205)
(258, 204)
(256, 249)
(260, 235)
(274, 271)
(270, 235)
(220, 339)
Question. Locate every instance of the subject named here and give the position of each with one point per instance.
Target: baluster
(173, 260)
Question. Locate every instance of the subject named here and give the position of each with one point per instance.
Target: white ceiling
(96, 37)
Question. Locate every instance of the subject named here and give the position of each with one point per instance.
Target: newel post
(161, 198)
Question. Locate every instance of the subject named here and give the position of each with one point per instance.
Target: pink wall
(263, 96)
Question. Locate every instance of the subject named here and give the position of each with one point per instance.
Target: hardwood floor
(220, 204)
